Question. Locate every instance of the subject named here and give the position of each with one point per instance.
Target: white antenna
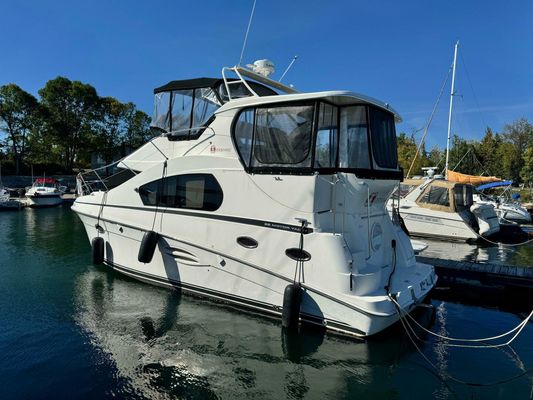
(289, 67)
(247, 30)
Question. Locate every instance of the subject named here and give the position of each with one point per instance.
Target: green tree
(19, 112)
(488, 152)
(138, 128)
(526, 173)
(111, 127)
(406, 154)
(519, 135)
(72, 112)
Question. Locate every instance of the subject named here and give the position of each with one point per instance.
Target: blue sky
(395, 51)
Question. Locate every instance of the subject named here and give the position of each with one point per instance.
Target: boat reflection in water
(166, 345)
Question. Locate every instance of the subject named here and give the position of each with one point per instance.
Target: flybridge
(186, 106)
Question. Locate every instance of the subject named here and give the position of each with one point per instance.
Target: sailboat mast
(452, 93)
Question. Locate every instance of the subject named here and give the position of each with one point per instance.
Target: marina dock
(489, 275)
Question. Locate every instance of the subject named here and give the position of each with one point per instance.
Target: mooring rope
(407, 328)
(518, 328)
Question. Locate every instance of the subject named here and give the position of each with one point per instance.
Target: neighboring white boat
(249, 195)
(508, 210)
(438, 208)
(45, 192)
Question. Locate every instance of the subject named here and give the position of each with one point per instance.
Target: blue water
(69, 329)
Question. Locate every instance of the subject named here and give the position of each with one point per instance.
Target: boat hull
(206, 272)
(44, 200)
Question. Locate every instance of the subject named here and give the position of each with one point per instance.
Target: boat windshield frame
(373, 171)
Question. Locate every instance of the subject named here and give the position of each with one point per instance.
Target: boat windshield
(45, 182)
(317, 136)
(184, 111)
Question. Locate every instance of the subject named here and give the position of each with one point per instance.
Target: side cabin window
(184, 113)
(436, 195)
(192, 191)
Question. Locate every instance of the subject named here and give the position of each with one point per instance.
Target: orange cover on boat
(472, 179)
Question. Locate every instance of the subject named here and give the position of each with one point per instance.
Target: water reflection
(167, 345)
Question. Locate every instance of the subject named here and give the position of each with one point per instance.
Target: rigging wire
(247, 31)
(430, 120)
(472, 88)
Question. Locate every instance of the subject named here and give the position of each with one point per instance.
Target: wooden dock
(481, 274)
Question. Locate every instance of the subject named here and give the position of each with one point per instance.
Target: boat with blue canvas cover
(508, 209)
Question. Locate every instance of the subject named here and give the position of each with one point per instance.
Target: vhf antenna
(247, 30)
(289, 67)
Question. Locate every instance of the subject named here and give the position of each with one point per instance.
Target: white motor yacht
(45, 192)
(263, 198)
(438, 208)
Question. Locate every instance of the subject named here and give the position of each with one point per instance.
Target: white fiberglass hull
(211, 271)
(47, 200)
(432, 224)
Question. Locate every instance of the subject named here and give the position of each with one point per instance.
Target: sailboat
(434, 207)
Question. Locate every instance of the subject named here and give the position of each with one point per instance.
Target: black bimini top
(188, 84)
(214, 83)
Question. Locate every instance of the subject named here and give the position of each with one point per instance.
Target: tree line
(507, 154)
(65, 127)
(70, 123)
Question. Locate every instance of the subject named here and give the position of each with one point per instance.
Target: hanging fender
(97, 246)
(292, 298)
(148, 244)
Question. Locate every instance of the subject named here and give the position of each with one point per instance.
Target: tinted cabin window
(193, 191)
(383, 135)
(148, 193)
(436, 195)
(326, 137)
(282, 136)
(353, 151)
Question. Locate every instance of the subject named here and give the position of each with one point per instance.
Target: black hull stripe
(228, 218)
(239, 301)
(257, 267)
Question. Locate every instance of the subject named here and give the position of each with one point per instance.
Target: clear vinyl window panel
(354, 148)
(283, 136)
(436, 195)
(326, 137)
(181, 111)
(161, 115)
